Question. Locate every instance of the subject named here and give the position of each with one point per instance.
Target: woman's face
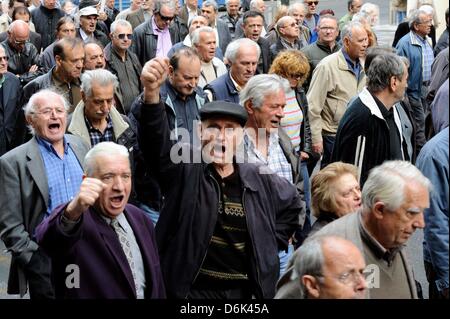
(347, 194)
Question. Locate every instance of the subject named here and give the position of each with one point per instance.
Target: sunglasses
(123, 35)
(313, 3)
(164, 18)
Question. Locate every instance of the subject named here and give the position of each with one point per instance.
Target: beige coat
(333, 84)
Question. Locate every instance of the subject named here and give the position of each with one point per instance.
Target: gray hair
(160, 3)
(122, 23)
(368, 8)
(195, 36)
(210, 3)
(415, 17)
(381, 69)
(253, 4)
(347, 30)
(260, 86)
(427, 8)
(308, 260)
(328, 16)
(228, 1)
(109, 149)
(101, 77)
(386, 183)
(294, 6)
(239, 44)
(30, 108)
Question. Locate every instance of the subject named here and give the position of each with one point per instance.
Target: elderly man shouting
(223, 222)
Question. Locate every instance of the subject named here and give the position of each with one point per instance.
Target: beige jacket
(333, 84)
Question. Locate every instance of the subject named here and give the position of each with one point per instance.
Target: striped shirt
(293, 119)
(64, 175)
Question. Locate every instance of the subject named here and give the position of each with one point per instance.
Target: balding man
(65, 75)
(337, 78)
(94, 57)
(23, 58)
(328, 267)
(288, 36)
(298, 11)
(37, 177)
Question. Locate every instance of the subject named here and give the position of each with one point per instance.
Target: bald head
(18, 35)
(93, 57)
(19, 27)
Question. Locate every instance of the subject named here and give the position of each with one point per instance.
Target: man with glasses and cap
(154, 38)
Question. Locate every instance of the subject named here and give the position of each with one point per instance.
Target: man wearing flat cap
(87, 30)
(223, 221)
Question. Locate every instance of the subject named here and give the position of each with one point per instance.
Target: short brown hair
(291, 63)
(322, 198)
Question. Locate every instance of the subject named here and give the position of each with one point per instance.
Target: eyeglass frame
(164, 18)
(121, 36)
(312, 2)
(47, 112)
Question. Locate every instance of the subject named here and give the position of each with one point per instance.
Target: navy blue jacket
(223, 89)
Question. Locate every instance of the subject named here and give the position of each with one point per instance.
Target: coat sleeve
(436, 232)
(12, 228)
(317, 94)
(289, 209)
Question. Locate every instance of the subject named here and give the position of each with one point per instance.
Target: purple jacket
(94, 247)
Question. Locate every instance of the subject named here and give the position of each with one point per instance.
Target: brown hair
(290, 63)
(322, 197)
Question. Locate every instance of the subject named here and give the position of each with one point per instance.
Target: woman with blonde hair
(335, 192)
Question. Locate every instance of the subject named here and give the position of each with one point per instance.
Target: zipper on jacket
(253, 245)
(210, 237)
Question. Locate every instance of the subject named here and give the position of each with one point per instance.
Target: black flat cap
(224, 109)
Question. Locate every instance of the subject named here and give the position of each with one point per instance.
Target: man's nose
(419, 221)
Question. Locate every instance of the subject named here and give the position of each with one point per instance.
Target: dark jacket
(47, 59)
(278, 46)
(45, 21)
(95, 248)
(145, 41)
(362, 138)
(305, 131)
(137, 68)
(35, 38)
(12, 126)
(20, 63)
(99, 36)
(223, 89)
(224, 34)
(442, 42)
(189, 216)
(265, 53)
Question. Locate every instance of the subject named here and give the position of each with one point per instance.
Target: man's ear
(249, 107)
(83, 96)
(378, 210)
(312, 286)
(199, 130)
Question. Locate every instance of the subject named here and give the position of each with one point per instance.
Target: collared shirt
(71, 90)
(97, 136)
(287, 45)
(354, 67)
(427, 57)
(164, 41)
(64, 175)
(395, 144)
(276, 160)
(135, 251)
(129, 80)
(186, 110)
(236, 85)
(86, 37)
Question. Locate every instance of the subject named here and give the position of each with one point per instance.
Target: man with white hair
(204, 42)
(95, 119)
(111, 242)
(394, 199)
(371, 12)
(327, 267)
(122, 62)
(416, 47)
(297, 10)
(37, 177)
(242, 55)
(210, 11)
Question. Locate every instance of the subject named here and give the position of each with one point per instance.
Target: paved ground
(385, 35)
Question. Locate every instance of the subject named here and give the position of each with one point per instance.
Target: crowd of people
(171, 151)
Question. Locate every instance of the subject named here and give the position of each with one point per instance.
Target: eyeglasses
(430, 22)
(123, 35)
(49, 111)
(327, 29)
(350, 277)
(312, 3)
(296, 77)
(293, 25)
(4, 58)
(164, 18)
(21, 42)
